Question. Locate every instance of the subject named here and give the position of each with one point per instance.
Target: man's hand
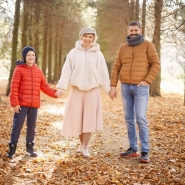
(113, 93)
(143, 83)
(59, 92)
(16, 109)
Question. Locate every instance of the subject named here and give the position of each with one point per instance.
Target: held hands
(59, 92)
(113, 93)
(16, 109)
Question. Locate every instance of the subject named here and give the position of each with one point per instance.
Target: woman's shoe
(79, 150)
(85, 153)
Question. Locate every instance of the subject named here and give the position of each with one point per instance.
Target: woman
(85, 70)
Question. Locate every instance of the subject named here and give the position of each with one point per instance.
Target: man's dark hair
(134, 23)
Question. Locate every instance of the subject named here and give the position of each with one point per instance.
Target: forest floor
(58, 163)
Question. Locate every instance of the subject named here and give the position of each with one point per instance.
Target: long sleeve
(104, 73)
(14, 88)
(66, 73)
(154, 63)
(116, 69)
(45, 88)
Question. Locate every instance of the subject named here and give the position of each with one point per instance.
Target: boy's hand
(59, 92)
(16, 109)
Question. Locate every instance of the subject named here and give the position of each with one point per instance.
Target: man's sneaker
(144, 157)
(11, 152)
(129, 153)
(30, 150)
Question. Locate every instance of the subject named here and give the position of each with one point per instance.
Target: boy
(27, 81)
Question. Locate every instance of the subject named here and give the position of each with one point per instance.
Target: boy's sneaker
(144, 157)
(129, 153)
(11, 152)
(30, 150)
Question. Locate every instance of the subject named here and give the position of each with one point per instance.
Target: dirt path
(58, 163)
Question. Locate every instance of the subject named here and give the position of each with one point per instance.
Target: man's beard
(133, 35)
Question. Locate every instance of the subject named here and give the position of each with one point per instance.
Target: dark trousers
(18, 122)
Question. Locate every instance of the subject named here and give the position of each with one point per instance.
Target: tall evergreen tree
(14, 42)
(155, 86)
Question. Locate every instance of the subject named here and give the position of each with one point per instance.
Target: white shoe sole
(86, 156)
(32, 155)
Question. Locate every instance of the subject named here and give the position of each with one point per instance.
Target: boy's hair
(134, 23)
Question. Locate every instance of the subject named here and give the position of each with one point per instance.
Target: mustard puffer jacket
(135, 64)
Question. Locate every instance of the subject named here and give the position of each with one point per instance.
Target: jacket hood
(95, 46)
(21, 62)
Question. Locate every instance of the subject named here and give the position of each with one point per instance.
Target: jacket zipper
(131, 63)
(31, 86)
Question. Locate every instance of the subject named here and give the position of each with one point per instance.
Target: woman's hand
(113, 93)
(59, 92)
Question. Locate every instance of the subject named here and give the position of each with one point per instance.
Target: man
(136, 65)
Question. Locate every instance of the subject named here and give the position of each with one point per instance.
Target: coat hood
(21, 62)
(95, 46)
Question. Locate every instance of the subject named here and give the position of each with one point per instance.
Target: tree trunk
(49, 60)
(44, 41)
(143, 17)
(30, 29)
(137, 11)
(132, 10)
(60, 61)
(55, 76)
(36, 34)
(155, 86)
(50, 45)
(14, 43)
(24, 25)
(126, 12)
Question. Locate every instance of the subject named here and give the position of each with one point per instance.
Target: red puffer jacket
(27, 81)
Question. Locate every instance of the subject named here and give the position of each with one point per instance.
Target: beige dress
(83, 113)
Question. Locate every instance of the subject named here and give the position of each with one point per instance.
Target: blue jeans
(135, 102)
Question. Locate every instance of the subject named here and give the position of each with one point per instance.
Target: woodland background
(52, 27)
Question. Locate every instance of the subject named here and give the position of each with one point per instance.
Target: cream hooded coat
(85, 69)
